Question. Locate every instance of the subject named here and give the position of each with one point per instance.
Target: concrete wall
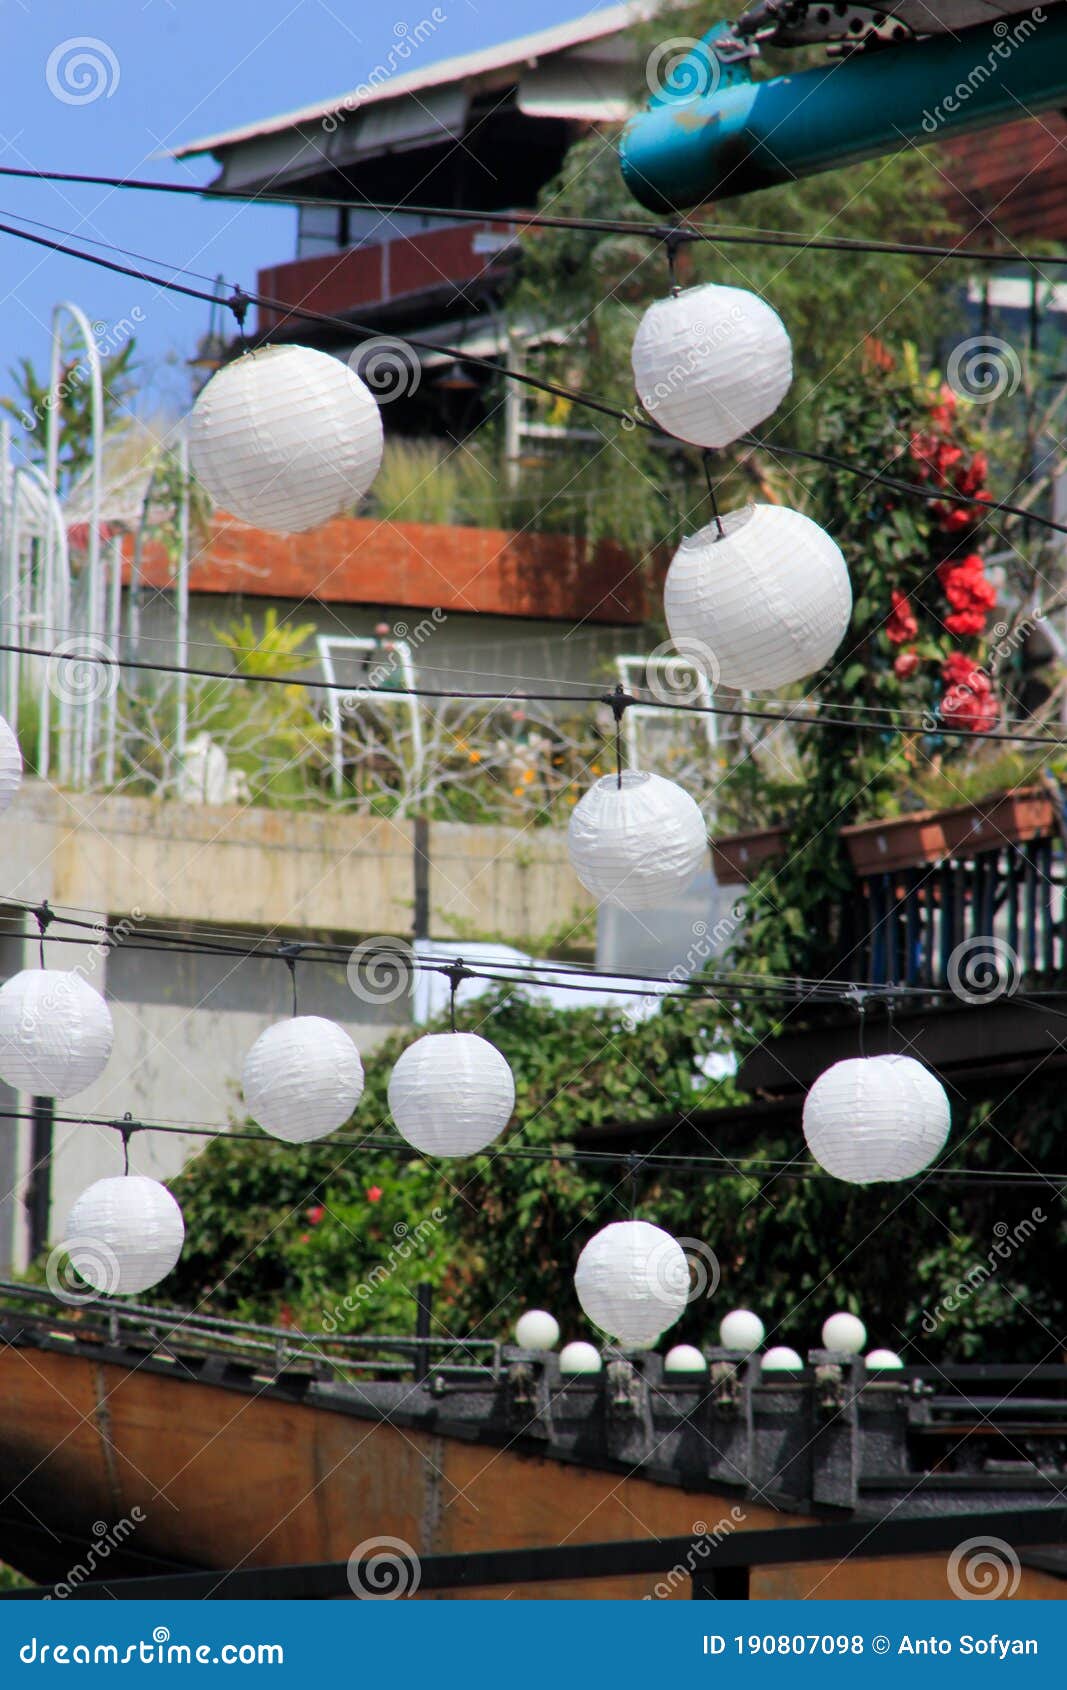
(183, 1023)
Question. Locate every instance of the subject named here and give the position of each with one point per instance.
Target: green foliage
(495, 1235)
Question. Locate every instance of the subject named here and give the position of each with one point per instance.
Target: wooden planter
(928, 836)
(736, 857)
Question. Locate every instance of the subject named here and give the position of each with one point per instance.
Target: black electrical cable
(657, 1161)
(555, 389)
(804, 715)
(731, 235)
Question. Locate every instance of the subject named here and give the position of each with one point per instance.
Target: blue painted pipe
(741, 135)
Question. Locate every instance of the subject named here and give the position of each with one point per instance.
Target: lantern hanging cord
(127, 1127)
(456, 973)
(567, 1154)
(805, 715)
(711, 495)
(556, 390)
(737, 234)
(619, 700)
(290, 954)
(44, 918)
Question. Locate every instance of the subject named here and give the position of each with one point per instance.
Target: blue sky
(177, 70)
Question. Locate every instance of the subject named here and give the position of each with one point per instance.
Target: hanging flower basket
(737, 856)
(928, 836)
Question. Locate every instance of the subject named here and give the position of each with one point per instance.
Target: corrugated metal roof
(591, 26)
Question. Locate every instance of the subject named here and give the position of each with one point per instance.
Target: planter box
(928, 836)
(736, 857)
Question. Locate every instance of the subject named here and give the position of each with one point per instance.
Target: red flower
(315, 1213)
(305, 1238)
(969, 591)
(972, 479)
(374, 1194)
(905, 664)
(968, 701)
(901, 625)
(964, 622)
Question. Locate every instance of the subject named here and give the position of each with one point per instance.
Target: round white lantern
(780, 1359)
(710, 363)
(579, 1357)
(285, 438)
(768, 599)
(684, 1358)
(55, 1032)
(886, 1359)
(637, 844)
(633, 1281)
(124, 1234)
(844, 1333)
(451, 1094)
(876, 1118)
(302, 1079)
(10, 765)
(741, 1330)
(536, 1330)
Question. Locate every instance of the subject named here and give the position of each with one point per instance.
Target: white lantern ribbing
(711, 362)
(10, 765)
(285, 438)
(302, 1079)
(684, 1358)
(636, 844)
(741, 1330)
(536, 1330)
(633, 1281)
(882, 1359)
(768, 599)
(579, 1357)
(124, 1234)
(844, 1333)
(451, 1094)
(876, 1118)
(780, 1359)
(55, 1032)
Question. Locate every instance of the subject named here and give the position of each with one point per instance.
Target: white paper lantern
(633, 1281)
(10, 766)
(302, 1079)
(451, 1094)
(579, 1357)
(764, 603)
(55, 1032)
(876, 1118)
(124, 1234)
(887, 1359)
(844, 1333)
(710, 363)
(536, 1330)
(285, 438)
(684, 1358)
(780, 1359)
(741, 1330)
(636, 845)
